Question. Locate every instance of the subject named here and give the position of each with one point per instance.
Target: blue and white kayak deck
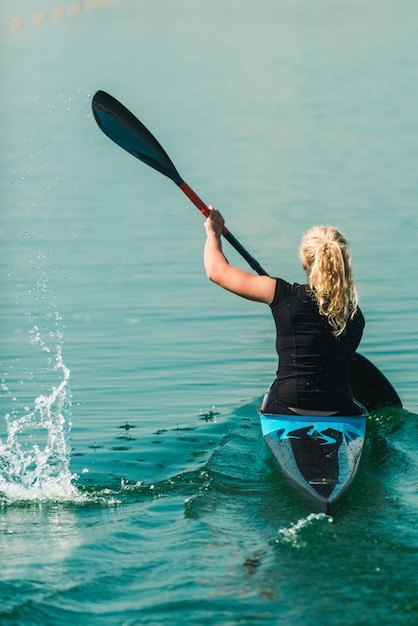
(319, 456)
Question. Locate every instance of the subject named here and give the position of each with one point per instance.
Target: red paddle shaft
(192, 195)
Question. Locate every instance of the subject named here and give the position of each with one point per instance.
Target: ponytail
(326, 257)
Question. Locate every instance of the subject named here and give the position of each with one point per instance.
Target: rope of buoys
(58, 13)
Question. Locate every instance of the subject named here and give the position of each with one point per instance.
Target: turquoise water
(135, 487)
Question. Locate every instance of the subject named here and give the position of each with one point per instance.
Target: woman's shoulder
(285, 290)
(359, 317)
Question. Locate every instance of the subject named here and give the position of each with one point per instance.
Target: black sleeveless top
(313, 371)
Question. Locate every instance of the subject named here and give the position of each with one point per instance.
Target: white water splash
(292, 535)
(35, 458)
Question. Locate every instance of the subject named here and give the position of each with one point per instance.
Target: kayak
(318, 456)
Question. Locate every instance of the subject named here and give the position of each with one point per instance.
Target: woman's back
(314, 362)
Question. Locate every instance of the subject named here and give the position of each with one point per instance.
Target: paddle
(370, 386)
(129, 133)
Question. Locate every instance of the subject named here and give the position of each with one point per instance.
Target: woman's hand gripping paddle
(370, 386)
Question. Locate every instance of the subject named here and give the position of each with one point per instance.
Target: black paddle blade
(370, 386)
(122, 127)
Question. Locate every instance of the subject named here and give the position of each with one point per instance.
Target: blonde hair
(325, 255)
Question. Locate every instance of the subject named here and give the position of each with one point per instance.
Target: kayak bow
(318, 456)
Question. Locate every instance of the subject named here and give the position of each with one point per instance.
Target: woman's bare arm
(218, 270)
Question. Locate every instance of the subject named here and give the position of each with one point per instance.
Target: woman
(319, 325)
